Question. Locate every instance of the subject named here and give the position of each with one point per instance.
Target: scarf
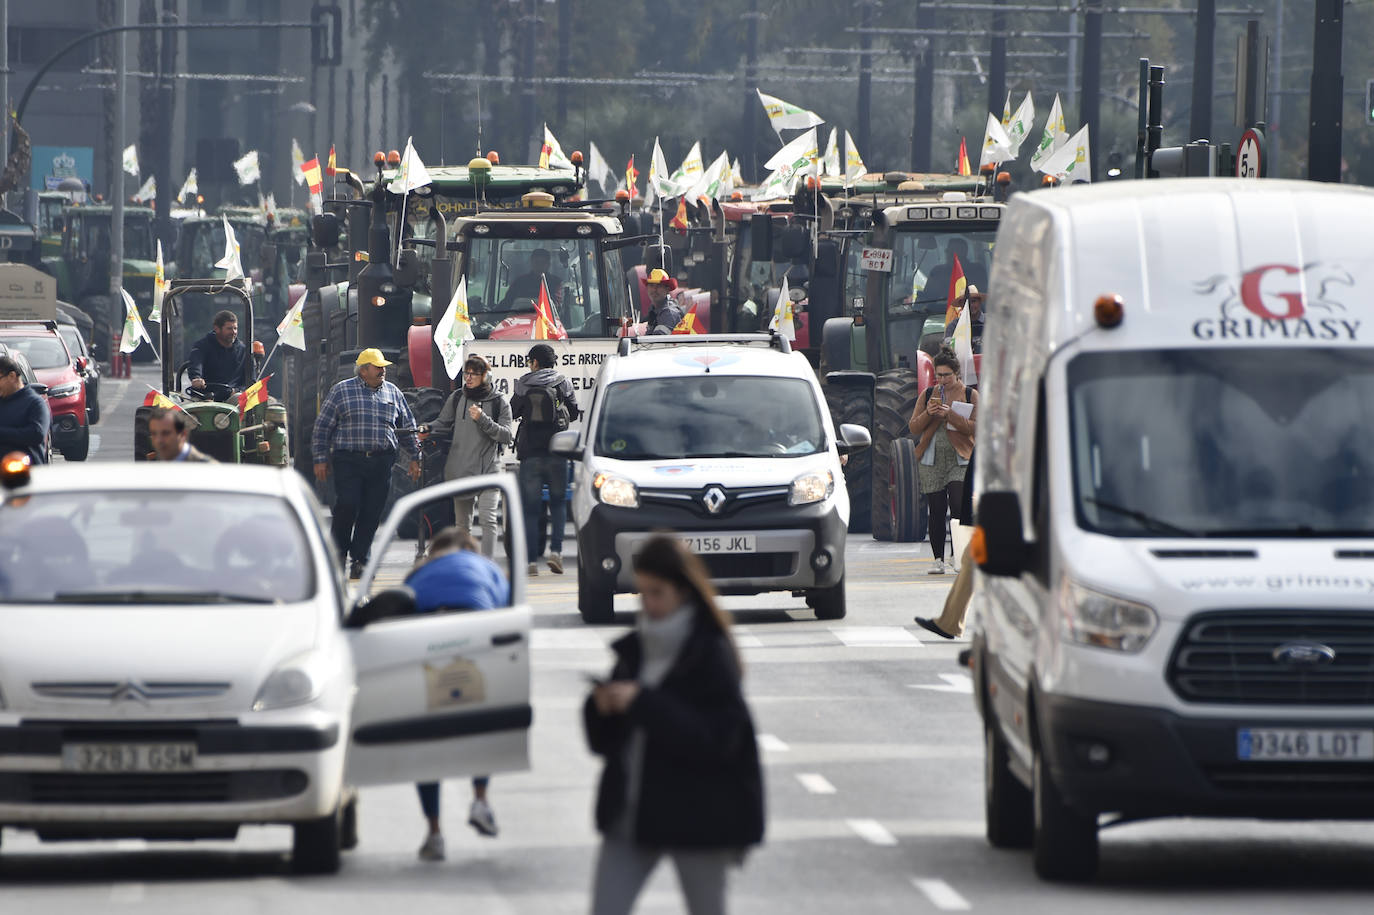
(479, 394)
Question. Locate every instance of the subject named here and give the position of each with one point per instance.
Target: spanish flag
(255, 395)
(313, 178)
(679, 221)
(333, 164)
(156, 398)
(631, 176)
(963, 167)
(690, 323)
(958, 285)
(546, 323)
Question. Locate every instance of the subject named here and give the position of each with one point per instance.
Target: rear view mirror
(388, 604)
(999, 545)
(564, 443)
(407, 272)
(39, 388)
(853, 438)
(324, 230)
(658, 257)
(82, 364)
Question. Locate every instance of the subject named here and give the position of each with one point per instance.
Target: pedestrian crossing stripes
(576, 638)
(875, 636)
(941, 895)
(873, 832)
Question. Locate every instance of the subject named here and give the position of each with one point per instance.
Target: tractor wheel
(401, 369)
(893, 400)
(909, 511)
(850, 404)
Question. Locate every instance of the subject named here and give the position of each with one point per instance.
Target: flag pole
(268, 360)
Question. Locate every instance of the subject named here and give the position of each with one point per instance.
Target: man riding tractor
(218, 357)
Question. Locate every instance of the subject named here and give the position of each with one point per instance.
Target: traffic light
(326, 35)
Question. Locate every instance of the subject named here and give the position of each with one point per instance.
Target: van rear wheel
(1065, 847)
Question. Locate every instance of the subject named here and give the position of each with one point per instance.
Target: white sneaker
(953, 566)
(533, 570)
(482, 819)
(555, 561)
(433, 849)
(938, 568)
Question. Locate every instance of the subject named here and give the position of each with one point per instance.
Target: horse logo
(1279, 292)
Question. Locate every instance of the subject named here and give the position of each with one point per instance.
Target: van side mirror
(853, 438)
(565, 443)
(999, 536)
(660, 257)
(390, 603)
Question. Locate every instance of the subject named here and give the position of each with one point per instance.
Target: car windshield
(207, 245)
(46, 352)
(152, 547)
(706, 416)
(504, 274)
(72, 337)
(1243, 442)
(918, 288)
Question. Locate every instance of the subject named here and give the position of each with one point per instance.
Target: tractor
(82, 267)
(220, 426)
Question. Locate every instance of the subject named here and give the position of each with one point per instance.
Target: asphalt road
(873, 764)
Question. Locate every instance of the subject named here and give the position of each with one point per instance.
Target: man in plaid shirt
(361, 425)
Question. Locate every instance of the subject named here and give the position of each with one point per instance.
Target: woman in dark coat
(682, 774)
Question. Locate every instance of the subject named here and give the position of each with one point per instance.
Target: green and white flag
(453, 329)
(1073, 161)
(997, 146)
(1054, 136)
(291, 330)
(190, 188)
(689, 172)
(134, 331)
(1006, 111)
(297, 160)
(797, 159)
(159, 287)
(232, 262)
(1021, 123)
(854, 167)
(712, 184)
(148, 191)
(784, 314)
(412, 174)
(784, 115)
(131, 160)
(660, 181)
(248, 169)
(830, 162)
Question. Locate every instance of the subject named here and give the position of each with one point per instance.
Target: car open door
(443, 694)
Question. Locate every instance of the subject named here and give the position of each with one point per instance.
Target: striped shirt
(355, 417)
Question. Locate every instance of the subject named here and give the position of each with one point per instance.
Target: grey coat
(475, 444)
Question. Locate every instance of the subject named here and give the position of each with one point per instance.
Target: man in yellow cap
(664, 313)
(362, 424)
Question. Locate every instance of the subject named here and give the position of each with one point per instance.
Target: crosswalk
(581, 638)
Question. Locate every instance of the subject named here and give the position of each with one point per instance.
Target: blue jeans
(429, 795)
(536, 472)
(361, 486)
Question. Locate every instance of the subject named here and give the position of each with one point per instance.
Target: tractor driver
(219, 356)
(526, 286)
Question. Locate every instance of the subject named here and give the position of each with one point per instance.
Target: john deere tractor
(82, 267)
(221, 426)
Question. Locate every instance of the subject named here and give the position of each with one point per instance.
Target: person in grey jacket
(479, 420)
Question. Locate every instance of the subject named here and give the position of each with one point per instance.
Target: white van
(1176, 510)
(726, 440)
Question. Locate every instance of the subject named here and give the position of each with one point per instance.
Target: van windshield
(702, 416)
(1217, 443)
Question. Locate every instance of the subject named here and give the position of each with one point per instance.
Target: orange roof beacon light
(494, 157)
(1109, 311)
(1004, 178)
(736, 195)
(987, 168)
(258, 348)
(978, 546)
(1048, 181)
(576, 158)
(622, 194)
(379, 158)
(393, 158)
(14, 470)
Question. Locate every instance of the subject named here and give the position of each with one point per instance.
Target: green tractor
(50, 220)
(221, 427)
(82, 267)
(878, 358)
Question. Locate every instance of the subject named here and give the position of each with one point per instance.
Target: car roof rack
(773, 340)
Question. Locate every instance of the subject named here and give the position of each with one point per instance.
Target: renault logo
(128, 691)
(1304, 654)
(714, 500)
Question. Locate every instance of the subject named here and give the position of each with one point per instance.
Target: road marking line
(954, 683)
(127, 893)
(772, 744)
(875, 636)
(566, 640)
(942, 895)
(815, 783)
(872, 832)
(748, 640)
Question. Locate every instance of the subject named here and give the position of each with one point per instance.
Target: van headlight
(1100, 620)
(296, 682)
(813, 487)
(616, 491)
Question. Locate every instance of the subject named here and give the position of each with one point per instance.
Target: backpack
(545, 411)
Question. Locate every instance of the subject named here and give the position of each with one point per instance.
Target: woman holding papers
(944, 423)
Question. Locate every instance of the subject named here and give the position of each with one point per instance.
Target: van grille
(1233, 658)
(151, 788)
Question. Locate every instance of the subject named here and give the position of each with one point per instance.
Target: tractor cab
(233, 423)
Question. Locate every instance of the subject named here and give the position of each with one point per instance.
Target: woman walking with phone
(944, 444)
(682, 776)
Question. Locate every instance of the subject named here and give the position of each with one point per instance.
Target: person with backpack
(545, 404)
(944, 445)
(478, 419)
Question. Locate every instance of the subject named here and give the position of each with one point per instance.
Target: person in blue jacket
(456, 576)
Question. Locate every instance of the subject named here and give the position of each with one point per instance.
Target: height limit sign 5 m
(1250, 155)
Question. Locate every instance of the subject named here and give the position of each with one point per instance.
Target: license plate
(725, 543)
(129, 757)
(1297, 744)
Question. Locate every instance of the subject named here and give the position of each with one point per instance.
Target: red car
(57, 368)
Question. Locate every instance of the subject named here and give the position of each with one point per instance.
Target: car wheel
(1065, 843)
(828, 603)
(93, 405)
(1006, 802)
(596, 604)
(316, 845)
(79, 449)
(348, 825)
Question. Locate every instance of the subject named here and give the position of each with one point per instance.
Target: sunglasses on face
(944, 374)
(471, 373)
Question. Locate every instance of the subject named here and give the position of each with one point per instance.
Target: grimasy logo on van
(1279, 301)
